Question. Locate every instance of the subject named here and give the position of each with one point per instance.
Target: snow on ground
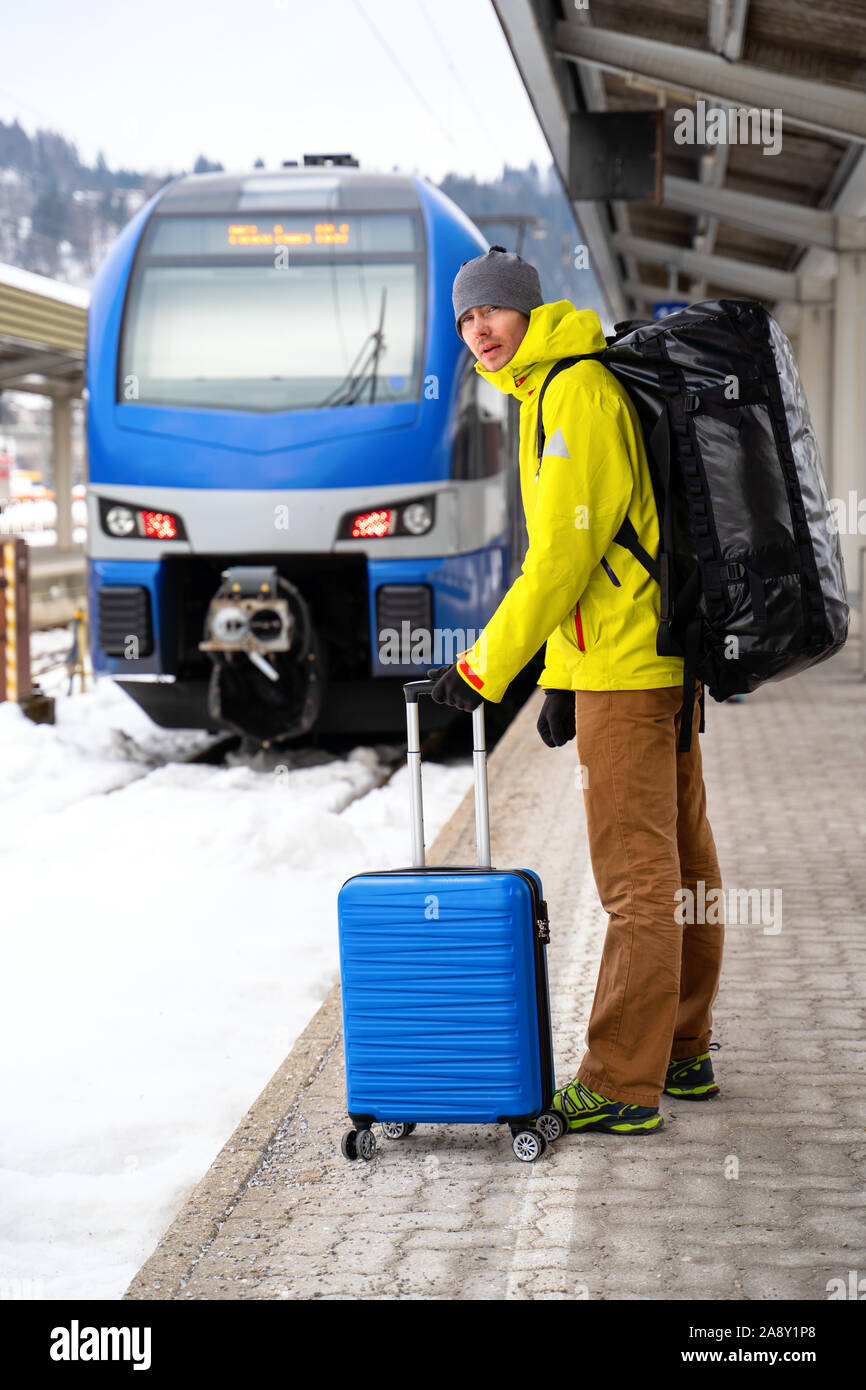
(168, 931)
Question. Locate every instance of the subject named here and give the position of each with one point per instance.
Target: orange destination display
(322, 234)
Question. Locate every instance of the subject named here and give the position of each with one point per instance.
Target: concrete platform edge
(198, 1222)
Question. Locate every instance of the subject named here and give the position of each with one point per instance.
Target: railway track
(222, 747)
(217, 751)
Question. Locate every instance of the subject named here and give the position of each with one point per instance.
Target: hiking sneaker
(691, 1078)
(583, 1108)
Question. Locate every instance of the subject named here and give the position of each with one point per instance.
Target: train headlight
(120, 521)
(417, 518)
(123, 520)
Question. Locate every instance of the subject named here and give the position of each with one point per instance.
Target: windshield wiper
(349, 390)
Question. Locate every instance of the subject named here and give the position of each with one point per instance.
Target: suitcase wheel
(347, 1144)
(365, 1143)
(552, 1124)
(392, 1129)
(528, 1145)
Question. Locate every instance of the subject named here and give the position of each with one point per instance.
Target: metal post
(848, 473)
(3, 592)
(15, 633)
(76, 664)
(814, 358)
(16, 682)
(61, 448)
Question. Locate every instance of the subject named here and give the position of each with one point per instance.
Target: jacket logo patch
(556, 447)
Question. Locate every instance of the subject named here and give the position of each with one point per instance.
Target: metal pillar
(61, 454)
(815, 360)
(848, 470)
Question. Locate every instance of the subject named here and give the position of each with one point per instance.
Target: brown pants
(648, 837)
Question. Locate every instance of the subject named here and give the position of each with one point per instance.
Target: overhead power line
(400, 68)
(461, 85)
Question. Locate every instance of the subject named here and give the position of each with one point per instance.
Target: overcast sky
(426, 84)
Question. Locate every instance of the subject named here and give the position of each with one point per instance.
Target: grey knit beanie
(498, 277)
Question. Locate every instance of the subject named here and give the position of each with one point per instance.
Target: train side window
(480, 429)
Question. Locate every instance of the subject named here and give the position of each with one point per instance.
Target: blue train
(300, 490)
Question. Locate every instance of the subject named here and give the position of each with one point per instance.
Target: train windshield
(288, 312)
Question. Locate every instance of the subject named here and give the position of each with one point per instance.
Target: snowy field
(167, 932)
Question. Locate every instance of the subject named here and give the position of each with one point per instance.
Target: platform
(755, 1195)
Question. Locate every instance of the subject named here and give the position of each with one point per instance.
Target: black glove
(452, 689)
(556, 721)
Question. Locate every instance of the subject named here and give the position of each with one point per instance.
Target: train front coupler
(266, 680)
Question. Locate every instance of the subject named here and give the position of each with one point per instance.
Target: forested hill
(551, 245)
(59, 215)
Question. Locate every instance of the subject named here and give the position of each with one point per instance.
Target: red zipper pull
(579, 628)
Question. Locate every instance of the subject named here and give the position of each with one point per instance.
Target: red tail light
(162, 526)
(373, 523)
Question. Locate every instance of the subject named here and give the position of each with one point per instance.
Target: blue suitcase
(446, 1011)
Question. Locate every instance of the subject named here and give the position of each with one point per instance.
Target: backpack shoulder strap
(557, 367)
(626, 536)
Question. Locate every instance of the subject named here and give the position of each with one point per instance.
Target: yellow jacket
(599, 624)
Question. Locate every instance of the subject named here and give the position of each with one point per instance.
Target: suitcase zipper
(542, 922)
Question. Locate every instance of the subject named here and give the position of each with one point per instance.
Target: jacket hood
(555, 330)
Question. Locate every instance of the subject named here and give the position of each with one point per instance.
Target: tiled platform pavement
(756, 1195)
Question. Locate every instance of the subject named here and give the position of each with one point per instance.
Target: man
(597, 609)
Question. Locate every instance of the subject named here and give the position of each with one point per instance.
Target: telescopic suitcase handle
(412, 690)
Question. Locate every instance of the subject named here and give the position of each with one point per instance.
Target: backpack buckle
(732, 572)
(691, 403)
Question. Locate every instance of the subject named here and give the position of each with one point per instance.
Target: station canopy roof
(43, 333)
(733, 220)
